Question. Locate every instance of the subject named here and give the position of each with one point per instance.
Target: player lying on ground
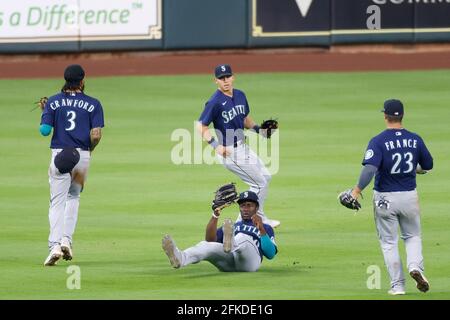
(238, 247)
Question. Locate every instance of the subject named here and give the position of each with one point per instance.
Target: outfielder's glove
(268, 127)
(347, 200)
(41, 103)
(225, 196)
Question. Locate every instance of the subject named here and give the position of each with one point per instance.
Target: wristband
(256, 128)
(214, 216)
(214, 144)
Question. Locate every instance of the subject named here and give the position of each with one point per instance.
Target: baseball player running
(228, 110)
(238, 247)
(76, 120)
(394, 157)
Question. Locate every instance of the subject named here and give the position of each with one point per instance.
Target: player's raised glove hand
(41, 103)
(268, 127)
(347, 200)
(224, 196)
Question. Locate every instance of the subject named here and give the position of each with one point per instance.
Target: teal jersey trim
(268, 248)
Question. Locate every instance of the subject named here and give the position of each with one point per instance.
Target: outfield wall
(30, 26)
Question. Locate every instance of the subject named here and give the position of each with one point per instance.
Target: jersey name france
(72, 116)
(227, 114)
(247, 227)
(396, 153)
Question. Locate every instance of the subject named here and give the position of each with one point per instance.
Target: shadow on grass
(209, 271)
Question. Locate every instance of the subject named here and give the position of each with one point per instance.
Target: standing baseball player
(394, 157)
(228, 110)
(238, 247)
(76, 120)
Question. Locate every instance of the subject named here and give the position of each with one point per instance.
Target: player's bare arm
(211, 227)
(207, 136)
(96, 135)
(249, 123)
(356, 192)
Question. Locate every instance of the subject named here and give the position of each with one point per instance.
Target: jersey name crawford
(72, 103)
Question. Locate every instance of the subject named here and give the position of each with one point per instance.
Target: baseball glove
(225, 196)
(347, 200)
(268, 127)
(40, 104)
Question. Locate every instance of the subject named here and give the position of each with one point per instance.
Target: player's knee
(260, 182)
(389, 243)
(268, 178)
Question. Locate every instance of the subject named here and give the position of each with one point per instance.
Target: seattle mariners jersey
(226, 113)
(396, 153)
(72, 116)
(247, 227)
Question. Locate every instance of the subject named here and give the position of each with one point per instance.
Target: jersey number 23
(398, 158)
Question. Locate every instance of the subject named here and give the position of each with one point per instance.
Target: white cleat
(54, 256)
(171, 251)
(66, 249)
(422, 283)
(396, 292)
(272, 223)
(228, 232)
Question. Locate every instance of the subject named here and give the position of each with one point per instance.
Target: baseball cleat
(66, 249)
(396, 292)
(421, 281)
(171, 251)
(228, 230)
(54, 256)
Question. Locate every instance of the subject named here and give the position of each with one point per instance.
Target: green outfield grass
(134, 194)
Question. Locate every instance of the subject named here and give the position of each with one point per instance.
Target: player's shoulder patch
(369, 154)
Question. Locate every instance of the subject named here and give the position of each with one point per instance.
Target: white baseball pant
(246, 164)
(244, 255)
(65, 198)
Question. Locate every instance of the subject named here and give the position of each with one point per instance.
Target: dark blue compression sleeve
(366, 176)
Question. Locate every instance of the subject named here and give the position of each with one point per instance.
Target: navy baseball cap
(222, 71)
(248, 196)
(74, 74)
(393, 107)
(67, 159)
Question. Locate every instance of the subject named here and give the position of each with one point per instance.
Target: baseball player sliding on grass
(238, 247)
(76, 120)
(228, 110)
(394, 157)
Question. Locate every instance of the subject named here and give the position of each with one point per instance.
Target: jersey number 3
(71, 115)
(397, 159)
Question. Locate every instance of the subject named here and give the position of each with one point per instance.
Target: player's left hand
(268, 127)
(225, 196)
(347, 199)
(41, 103)
(257, 221)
